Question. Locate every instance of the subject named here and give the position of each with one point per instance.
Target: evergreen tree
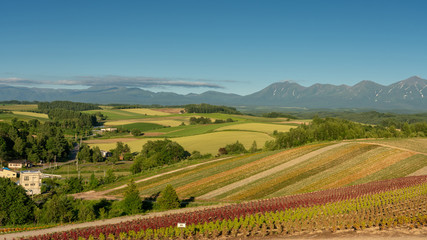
(168, 199)
(16, 207)
(132, 202)
(254, 147)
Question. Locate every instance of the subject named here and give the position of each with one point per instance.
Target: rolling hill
(298, 170)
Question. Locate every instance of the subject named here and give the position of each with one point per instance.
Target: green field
(258, 127)
(205, 143)
(142, 126)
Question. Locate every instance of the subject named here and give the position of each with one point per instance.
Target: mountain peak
(414, 79)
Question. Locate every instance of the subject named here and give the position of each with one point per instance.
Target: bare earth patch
(170, 110)
(419, 172)
(398, 233)
(113, 140)
(295, 122)
(153, 134)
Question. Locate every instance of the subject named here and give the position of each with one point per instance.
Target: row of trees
(205, 120)
(73, 119)
(73, 106)
(329, 129)
(278, 115)
(17, 208)
(237, 148)
(33, 140)
(207, 108)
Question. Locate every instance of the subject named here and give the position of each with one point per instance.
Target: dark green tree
(254, 147)
(93, 182)
(135, 132)
(163, 152)
(168, 199)
(16, 207)
(96, 154)
(235, 148)
(137, 165)
(85, 153)
(73, 185)
(58, 209)
(132, 202)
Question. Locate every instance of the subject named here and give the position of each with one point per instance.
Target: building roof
(5, 168)
(31, 171)
(18, 161)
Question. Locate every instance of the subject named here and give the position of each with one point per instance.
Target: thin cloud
(14, 80)
(113, 80)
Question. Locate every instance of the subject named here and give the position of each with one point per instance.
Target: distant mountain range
(409, 94)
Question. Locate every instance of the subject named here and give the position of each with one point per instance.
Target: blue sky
(223, 45)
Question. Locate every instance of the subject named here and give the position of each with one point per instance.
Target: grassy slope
(347, 165)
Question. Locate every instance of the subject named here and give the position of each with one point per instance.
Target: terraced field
(299, 170)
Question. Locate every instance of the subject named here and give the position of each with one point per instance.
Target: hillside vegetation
(299, 170)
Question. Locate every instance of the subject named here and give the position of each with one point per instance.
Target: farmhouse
(108, 129)
(106, 154)
(31, 181)
(15, 164)
(7, 173)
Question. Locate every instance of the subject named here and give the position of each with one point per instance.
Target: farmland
(254, 176)
(381, 205)
(344, 165)
(245, 129)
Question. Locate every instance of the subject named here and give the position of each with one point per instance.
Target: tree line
(207, 108)
(330, 129)
(17, 208)
(33, 141)
(68, 105)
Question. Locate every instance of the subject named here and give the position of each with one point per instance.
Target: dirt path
(268, 172)
(391, 146)
(419, 172)
(399, 233)
(92, 195)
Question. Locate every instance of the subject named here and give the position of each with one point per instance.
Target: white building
(31, 181)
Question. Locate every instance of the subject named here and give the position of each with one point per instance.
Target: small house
(106, 154)
(108, 129)
(7, 173)
(16, 164)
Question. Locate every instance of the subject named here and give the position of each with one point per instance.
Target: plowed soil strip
(268, 172)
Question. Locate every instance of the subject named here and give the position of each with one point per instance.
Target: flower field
(381, 204)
